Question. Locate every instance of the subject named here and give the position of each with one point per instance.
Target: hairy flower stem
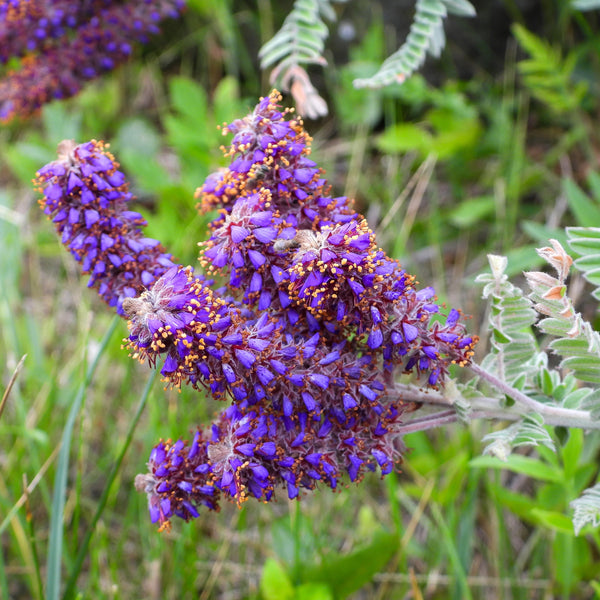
(438, 419)
(490, 408)
(553, 415)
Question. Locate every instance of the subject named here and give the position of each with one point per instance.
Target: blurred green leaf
(405, 137)
(519, 504)
(456, 127)
(313, 591)
(571, 452)
(61, 123)
(189, 98)
(226, 102)
(585, 4)
(553, 520)
(275, 583)
(137, 135)
(518, 463)
(547, 74)
(542, 233)
(586, 212)
(25, 158)
(472, 210)
(345, 574)
(294, 540)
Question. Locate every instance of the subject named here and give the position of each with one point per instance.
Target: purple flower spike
(68, 42)
(255, 454)
(103, 235)
(304, 342)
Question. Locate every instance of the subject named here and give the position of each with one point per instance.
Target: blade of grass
(83, 549)
(11, 383)
(30, 488)
(55, 542)
(3, 578)
(453, 555)
(21, 537)
(39, 586)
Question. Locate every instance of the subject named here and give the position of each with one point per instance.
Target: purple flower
(293, 249)
(304, 341)
(68, 42)
(256, 453)
(86, 196)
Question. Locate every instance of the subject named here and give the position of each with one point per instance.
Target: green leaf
(519, 504)
(301, 37)
(553, 520)
(138, 136)
(405, 137)
(583, 208)
(571, 451)
(189, 98)
(294, 542)
(585, 234)
(542, 233)
(593, 180)
(517, 463)
(587, 509)
(571, 347)
(426, 35)
(345, 574)
(313, 591)
(547, 74)
(275, 583)
(25, 158)
(61, 123)
(462, 8)
(226, 100)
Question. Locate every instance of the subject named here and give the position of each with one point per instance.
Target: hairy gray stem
(489, 408)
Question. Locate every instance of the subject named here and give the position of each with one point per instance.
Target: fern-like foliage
(301, 39)
(530, 431)
(426, 36)
(587, 509)
(585, 241)
(547, 74)
(576, 341)
(301, 42)
(514, 351)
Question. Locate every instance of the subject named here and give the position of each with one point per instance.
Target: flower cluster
(64, 43)
(86, 196)
(292, 247)
(304, 341)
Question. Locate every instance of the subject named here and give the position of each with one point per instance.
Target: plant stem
(438, 419)
(552, 414)
(489, 408)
